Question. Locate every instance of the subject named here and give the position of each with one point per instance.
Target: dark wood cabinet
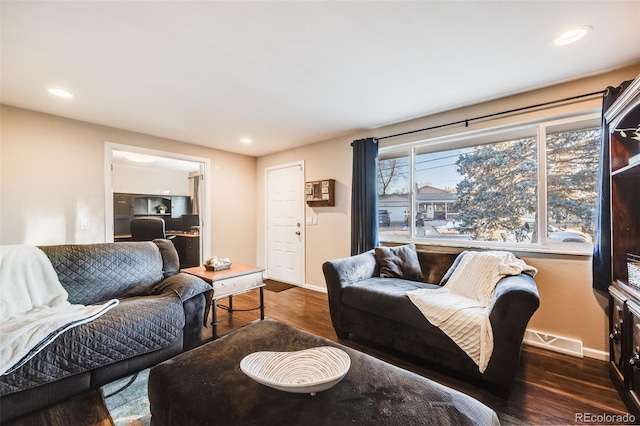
(617, 302)
(633, 381)
(623, 119)
(188, 248)
(127, 206)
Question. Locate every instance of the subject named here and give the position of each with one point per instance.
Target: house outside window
(497, 187)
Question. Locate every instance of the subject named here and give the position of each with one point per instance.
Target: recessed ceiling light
(61, 93)
(246, 140)
(572, 35)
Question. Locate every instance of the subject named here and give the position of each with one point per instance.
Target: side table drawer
(234, 285)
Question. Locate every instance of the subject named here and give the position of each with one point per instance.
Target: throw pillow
(399, 262)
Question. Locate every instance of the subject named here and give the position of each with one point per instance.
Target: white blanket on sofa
(461, 307)
(34, 309)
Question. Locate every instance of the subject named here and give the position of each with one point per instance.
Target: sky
(438, 169)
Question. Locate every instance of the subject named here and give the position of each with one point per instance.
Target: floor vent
(554, 343)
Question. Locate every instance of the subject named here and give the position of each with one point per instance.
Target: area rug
(128, 404)
(127, 401)
(276, 286)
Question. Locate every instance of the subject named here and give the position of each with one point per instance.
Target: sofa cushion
(434, 265)
(92, 273)
(452, 268)
(399, 262)
(136, 326)
(170, 258)
(387, 297)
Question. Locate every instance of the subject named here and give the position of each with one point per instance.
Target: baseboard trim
(315, 288)
(596, 354)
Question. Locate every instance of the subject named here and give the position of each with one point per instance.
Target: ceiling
(287, 74)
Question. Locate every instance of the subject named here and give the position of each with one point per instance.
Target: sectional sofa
(160, 314)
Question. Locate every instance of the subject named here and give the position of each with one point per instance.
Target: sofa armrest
(189, 288)
(184, 285)
(515, 301)
(340, 273)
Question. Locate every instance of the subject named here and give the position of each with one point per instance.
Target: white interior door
(285, 230)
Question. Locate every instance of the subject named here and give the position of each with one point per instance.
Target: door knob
(297, 232)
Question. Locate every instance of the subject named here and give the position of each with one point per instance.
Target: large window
(498, 187)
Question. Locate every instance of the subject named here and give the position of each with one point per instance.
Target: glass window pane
(436, 197)
(572, 177)
(483, 193)
(393, 194)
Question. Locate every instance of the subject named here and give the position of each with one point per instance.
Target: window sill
(576, 249)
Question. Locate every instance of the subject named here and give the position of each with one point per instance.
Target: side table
(231, 282)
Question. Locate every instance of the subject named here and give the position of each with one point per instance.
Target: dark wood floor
(550, 389)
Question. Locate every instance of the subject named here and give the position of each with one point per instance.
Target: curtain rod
(511, 111)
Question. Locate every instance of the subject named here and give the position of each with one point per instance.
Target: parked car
(419, 219)
(567, 236)
(384, 218)
(561, 235)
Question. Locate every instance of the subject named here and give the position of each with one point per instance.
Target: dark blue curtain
(601, 264)
(364, 196)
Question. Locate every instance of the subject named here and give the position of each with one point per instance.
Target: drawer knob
(635, 358)
(615, 334)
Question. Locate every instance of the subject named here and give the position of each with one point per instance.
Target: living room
(53, 165)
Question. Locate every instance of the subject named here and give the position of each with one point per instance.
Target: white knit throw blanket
(461, 307)
(34, 309)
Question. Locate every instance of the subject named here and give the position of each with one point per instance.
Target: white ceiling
(293, 73)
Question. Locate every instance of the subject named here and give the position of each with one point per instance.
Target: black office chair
(147, 229)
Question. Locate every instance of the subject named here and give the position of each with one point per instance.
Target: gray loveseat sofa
(160, 314)
(377, 309)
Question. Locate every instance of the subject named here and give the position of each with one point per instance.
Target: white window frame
(471, 138)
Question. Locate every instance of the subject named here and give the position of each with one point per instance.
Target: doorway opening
(154, 179)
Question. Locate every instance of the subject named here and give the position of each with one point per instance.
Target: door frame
(303, 245)
(205, 213)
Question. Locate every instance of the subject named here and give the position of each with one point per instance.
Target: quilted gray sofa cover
(160, 314)
(363, 304)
